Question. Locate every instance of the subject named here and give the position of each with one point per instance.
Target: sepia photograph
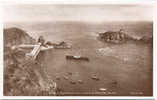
(78, 50)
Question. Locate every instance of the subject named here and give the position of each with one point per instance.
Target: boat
(71, 57)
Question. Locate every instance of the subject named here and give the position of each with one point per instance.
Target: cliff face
(21, 76)
(15, 36)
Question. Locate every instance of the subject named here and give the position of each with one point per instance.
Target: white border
(78, 1)
(151, 2)
(1, 53)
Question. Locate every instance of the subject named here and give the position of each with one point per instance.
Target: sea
(122, 69)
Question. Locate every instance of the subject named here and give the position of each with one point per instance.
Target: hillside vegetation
(21, 76)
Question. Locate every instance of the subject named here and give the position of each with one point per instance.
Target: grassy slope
(23, 77)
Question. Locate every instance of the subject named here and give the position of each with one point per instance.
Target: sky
(89, 13)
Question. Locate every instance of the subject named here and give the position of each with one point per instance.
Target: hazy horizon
(77, 13)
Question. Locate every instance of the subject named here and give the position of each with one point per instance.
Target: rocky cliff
(15, 36)
(23, 77)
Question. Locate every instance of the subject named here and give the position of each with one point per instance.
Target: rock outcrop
(122, 37)
(16, 36)
(23, 77)
(114, 37)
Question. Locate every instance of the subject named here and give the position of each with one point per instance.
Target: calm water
(123, 69)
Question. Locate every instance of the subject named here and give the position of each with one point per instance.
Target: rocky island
(122, 37)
